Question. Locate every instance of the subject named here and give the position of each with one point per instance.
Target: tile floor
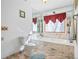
(52, 51)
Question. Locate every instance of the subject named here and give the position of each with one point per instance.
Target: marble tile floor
(52, 51)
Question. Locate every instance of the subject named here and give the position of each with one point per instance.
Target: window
(55, 23)
(34, 23)
(37, 25)
(52, 23)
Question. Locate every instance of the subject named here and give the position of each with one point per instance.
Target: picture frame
(22, 13)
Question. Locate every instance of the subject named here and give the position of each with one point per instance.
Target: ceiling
(39, 6)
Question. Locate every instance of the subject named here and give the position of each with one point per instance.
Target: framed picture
(22, 13)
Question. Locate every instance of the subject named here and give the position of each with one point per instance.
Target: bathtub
(61, 41)
(37, 37)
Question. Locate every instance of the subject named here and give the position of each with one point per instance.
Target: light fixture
(44, 1)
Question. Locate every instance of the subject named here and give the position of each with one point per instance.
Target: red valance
(61, 16)
(53, 18)
(34, 20)
(46, 19)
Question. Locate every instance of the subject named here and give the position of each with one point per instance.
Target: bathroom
(34, 26)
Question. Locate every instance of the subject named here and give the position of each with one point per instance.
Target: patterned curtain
(55, 23)
(34, 22)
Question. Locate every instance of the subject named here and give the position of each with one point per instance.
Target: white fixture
(27, 42)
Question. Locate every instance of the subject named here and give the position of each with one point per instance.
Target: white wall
(17, 26)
